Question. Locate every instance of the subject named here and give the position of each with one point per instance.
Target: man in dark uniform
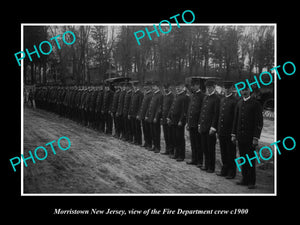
(192, 123)
(177, 119)
(142, 113)
(136, 101)
(168, 98)
(61, 99)
(113, 109)
(107, 100)
(72, 103)
(93, 107)
(119, 113)
(207, 126)
(127, 101)
(247, 126)
(153, 117)
(98, 106)
(88, 106)
(83, 106)
(226, 116)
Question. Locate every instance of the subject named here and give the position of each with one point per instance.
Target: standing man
(105, 110)
(142, 113)
(91, 107)
(168, 98)
(177, 119)
(247, 126)
(153, 117)
(192, 123)
(127, 101)
(84, 98)
(98, 106)
(136, 101)
(113, 109)
(119, 113)
(226, 116)
(207, 126)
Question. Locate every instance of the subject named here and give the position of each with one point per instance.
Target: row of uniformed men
(134, 112)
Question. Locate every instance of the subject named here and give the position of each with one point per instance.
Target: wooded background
(229, 52)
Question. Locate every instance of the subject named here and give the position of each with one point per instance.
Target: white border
(150, 24)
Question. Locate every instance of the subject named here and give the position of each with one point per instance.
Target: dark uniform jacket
(114, 105)
(121, 103)
(77, 98)
(226, 115)
(195, 108)
(92, 100)
(209, 114)
(154, 109)
(99, 101)
(136, 101)
(83, 100)
(248, 120)
(145, 104)
(86, 100)
(107, 100)
(178, 109)
(72, 101)
(167, 102)
(127, 100)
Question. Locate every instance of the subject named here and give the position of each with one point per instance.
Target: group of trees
(91, 48)
(229, 52)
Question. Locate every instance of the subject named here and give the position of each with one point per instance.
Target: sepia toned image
(162, 117)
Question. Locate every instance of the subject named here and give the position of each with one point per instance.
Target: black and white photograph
(147, 109)
(143, 112)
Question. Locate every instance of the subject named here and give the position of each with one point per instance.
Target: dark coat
(78, 97)
(92, 100)
(195, 109)
(145, 104)
(121, 103)
(248, 120)
(167, 102)
(178, 109)
(99, 101)
(154, 109)
(209, 114)
(114, 105)
(84, 98)
(127, 101)
(226, 115)
(107, 100)
(136, 101)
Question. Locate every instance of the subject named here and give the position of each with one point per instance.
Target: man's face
(227, 91)
(155, 87)
(193, 87)
(196, 87)
(245, 93)
(166, 89)
(210, 89)
(179, 88)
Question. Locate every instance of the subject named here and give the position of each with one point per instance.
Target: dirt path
(97, 163)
